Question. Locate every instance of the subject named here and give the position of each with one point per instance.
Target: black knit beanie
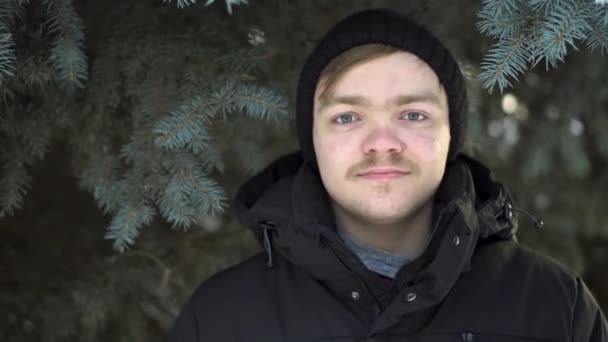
(381, 26)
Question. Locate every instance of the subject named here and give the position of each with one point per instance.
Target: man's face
(382, 138)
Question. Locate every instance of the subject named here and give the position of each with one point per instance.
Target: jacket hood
(290, 190)
(288, 210)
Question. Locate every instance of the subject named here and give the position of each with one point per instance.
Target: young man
(379, 230)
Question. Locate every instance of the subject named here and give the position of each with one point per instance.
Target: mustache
(394, 160)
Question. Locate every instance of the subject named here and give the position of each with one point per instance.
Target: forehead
(400, 73)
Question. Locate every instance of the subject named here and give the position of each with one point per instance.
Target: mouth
(383, 174)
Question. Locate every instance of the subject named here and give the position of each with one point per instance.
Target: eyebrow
(399, 100)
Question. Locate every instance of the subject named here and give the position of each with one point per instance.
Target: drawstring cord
(538, 223)
(266, 228)
(508, 212)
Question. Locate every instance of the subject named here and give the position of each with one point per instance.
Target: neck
(408, 236)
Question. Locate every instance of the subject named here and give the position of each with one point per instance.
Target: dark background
(60, 280)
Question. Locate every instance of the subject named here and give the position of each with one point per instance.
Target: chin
(384, 218)
(395, 213)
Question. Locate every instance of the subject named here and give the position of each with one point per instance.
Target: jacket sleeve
(588, 321)
(203, 318)
(185, 328)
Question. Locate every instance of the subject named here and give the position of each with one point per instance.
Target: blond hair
(348, 60)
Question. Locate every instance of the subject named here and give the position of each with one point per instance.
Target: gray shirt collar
(376, 260)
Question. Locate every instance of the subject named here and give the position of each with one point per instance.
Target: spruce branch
(36, 137)
(24, 140)
(186, 126)
(499, 19)
(564, 25)
(500, 8)
(530, 31)
(208, 195)
(224, 99)
(211, 159)
(67, 53)
(10, 11)
(14, 177)
(598, 35)
(243, 62)
(229, 3)
(507, 58)
(189, 191)
(7, 56)
(261, 103)
(545, 6)
(14, 185)
(174, 205)
(99, 177)
(598, 38)
(145, 139)
(126, 223)
(182, 3)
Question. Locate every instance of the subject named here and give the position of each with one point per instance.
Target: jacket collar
(288, 209)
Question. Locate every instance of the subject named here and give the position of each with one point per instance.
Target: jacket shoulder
(212, 311)
(521, 262)
(548, 292)
(234, 279)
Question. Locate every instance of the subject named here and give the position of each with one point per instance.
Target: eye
(415, 116)
(345, 119)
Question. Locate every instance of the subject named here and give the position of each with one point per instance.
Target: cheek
(429, 146)
(334, 152)
(333, 149)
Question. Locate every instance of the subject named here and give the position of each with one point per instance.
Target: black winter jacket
(474, 282)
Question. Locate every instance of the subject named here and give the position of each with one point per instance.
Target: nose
(383, 140)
